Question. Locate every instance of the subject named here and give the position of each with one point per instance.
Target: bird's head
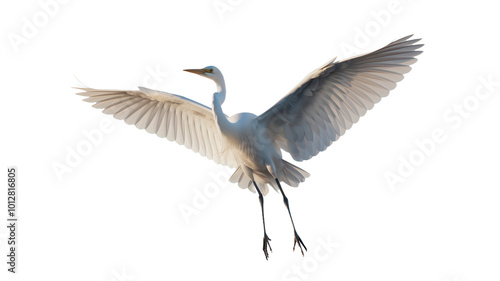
(214, 74)
(210, 72)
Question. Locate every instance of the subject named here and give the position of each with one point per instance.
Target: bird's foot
(298, 241)
(266, 244)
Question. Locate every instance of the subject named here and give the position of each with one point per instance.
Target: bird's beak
(196, 71)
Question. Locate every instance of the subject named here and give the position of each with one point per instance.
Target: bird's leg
(266, 238)
(297, 239)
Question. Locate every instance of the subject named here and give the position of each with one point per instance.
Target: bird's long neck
(217, 101)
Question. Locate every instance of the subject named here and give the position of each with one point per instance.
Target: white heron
(306, 121)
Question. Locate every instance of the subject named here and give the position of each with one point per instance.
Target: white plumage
(333, 97)
(305, 122)
(168, 116)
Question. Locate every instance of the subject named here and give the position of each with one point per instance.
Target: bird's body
(242, 138)
(305, 122)
(258, 155)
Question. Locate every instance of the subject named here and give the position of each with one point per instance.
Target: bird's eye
(211, 70)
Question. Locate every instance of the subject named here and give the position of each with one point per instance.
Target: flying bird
(303, 123)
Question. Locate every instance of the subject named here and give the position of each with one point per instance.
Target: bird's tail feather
(290, 174)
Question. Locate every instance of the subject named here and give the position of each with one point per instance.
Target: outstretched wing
(168, 116)
(321, 108)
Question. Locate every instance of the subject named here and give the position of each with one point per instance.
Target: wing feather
(333, 97)
(168, 116)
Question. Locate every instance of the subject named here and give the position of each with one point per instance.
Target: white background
(117, 214)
